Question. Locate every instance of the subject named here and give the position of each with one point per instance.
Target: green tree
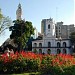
(72, 38)
(1, 15)
(21, 32)
(5, 24)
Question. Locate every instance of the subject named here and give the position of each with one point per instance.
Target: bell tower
(49, 28)
(19, 12)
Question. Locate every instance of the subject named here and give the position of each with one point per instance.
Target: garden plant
(23, 62)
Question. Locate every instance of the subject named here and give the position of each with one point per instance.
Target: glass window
(49, 44)
(49, 26)
(35, 44)
(49, 51)
(58, 51)
(40, 51)
(59, 27)
(58, 44)
(35, 51)
(64, 44)
(40, 44)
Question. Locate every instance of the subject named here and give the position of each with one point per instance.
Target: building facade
(50, 44)
(60, 29)
(64, 30)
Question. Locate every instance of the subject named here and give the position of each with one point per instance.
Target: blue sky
(36, 10)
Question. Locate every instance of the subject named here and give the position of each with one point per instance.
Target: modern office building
(64, 30)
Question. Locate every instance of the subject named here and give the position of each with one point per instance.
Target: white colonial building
(49, 44)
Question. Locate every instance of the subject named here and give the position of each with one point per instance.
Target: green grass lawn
(33, 73)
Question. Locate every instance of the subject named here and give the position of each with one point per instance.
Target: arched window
(35, 51)
(58, 44)
(49, 44)
(49, 26)
(64, 51)
(49, 51)
(35, 44)
(58, 51)
(64, 44)
(40, 44)
(40, 51)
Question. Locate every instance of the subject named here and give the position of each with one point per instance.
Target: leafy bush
(60, 64)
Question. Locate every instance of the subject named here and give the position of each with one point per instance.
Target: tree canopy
(72, 37)
(1, 15)
(21, 32)
(5, 22)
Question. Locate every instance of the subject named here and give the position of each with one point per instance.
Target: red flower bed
(28, 61)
